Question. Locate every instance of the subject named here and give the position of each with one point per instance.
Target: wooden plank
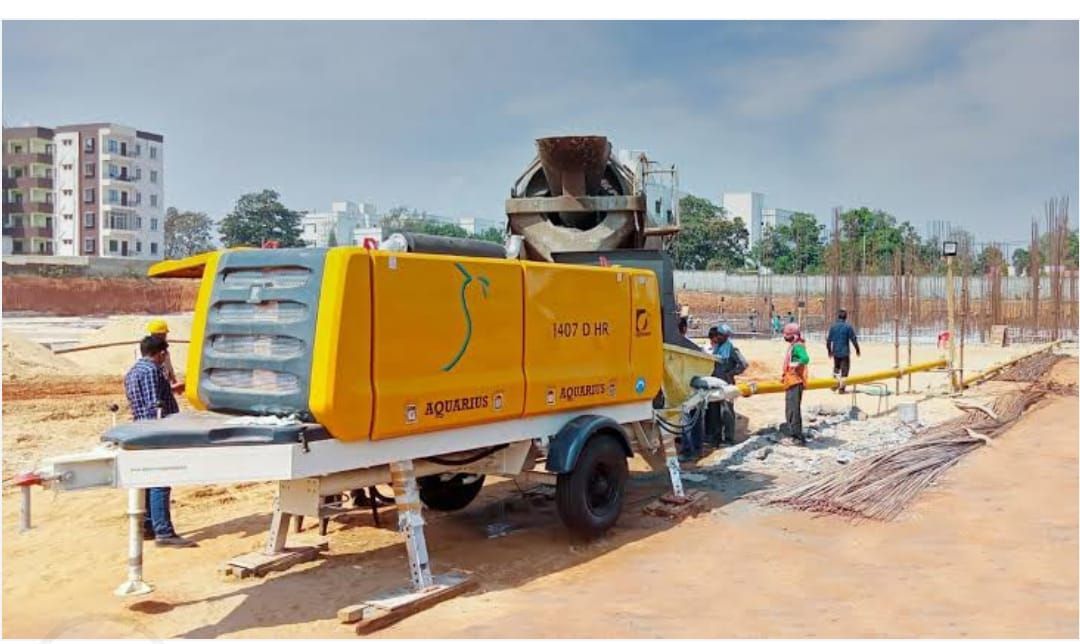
(378, 614)
(673, 507)
(351, 613)
(257, 564)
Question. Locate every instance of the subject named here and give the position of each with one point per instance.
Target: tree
(793, 247)
(260, 217)
(708, 240)
(187, 233)
(331, 239)
(988, 258)
(490, 234)
(1021, 261)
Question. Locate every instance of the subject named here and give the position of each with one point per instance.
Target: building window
(153, 176)
(67, 192)
(66, 142)
(88, 145)
(113, 147)
(113, 171)
(88, 245)
(138, 222)
(138, 247)
(88, 220)
(67, 242)
(138, 173)
(88, 195)
(138, 149)
(88, 169)
(66, 167)
(138, 197)
(153, 152)
(112, 246)
(153, 248)
(17, 246)
(153, 223)
(153, 201)
(114, 196)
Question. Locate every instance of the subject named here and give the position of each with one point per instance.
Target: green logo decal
(484, 283)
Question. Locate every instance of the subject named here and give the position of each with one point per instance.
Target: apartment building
(110, 191)
(750, 206)
(28, 191)
(343, 220)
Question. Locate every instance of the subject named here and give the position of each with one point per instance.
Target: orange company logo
(550, 397)
(410, 414)
(642, 323)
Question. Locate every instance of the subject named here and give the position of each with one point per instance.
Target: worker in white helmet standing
(794, 379)
(729, 363)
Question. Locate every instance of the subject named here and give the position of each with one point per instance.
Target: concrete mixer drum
(576, 196)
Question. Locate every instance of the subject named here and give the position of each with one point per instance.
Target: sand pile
(128, 328)
(24, 359)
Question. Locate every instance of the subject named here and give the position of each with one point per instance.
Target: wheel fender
(566, 446)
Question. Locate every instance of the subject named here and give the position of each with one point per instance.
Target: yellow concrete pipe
(772, 386)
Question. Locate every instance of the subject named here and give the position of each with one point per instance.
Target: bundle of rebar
(882, 486)
(1030, 369)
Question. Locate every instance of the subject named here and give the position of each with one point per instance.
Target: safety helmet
(723, 329)
(791, 328)
(154, 327)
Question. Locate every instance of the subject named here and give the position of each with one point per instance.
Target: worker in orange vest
(794, 380)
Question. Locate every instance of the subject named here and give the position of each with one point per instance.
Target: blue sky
(974, 122)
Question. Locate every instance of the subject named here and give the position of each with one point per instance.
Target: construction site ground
(989, 552)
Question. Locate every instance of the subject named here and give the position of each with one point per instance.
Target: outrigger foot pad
(133, 588)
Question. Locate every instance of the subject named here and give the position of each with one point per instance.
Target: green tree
(187, 233)
(331, 239)
(402, 219)
(260, 217)
(707, 239)
(490, 234)
(988, 258)
(1021, 261)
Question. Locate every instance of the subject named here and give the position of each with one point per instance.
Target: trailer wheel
(449, 492)
(590, 497)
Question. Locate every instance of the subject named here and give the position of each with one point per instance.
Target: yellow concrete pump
(374, 345)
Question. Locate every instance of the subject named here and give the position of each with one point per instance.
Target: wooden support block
(380, 613)
(257, 564)
(673, 507)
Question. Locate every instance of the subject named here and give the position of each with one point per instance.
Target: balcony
(24, 232)
(120, 223)
(27, 182)
(123, 177)
(28, 207)
(26, 158)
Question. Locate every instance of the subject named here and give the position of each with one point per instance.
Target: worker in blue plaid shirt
(148, 391)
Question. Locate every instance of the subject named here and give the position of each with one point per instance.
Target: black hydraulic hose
(469, 459)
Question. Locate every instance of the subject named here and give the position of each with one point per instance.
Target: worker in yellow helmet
(160, 328)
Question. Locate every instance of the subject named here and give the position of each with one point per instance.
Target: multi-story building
(110, 191)
(28, 191)
(750, 207)
(342, 220)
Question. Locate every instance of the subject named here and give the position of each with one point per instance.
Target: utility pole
(948, 250)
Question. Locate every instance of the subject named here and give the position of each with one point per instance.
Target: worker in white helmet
(729, 363)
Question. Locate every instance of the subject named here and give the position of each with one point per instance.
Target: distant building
(28, 191)
(343, 219)
(110, 191)
(773, 217)
(750, 206)
(84, 189)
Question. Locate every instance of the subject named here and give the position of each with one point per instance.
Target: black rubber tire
(451, 494)
(590, 498)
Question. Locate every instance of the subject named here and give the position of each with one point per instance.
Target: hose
(482, 454)
(679, 429)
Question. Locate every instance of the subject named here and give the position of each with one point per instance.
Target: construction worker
(149, 396)
(730, 363)
(160, 328)
(794, 379)
(838, 343)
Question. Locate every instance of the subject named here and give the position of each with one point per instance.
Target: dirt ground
(990, 552)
